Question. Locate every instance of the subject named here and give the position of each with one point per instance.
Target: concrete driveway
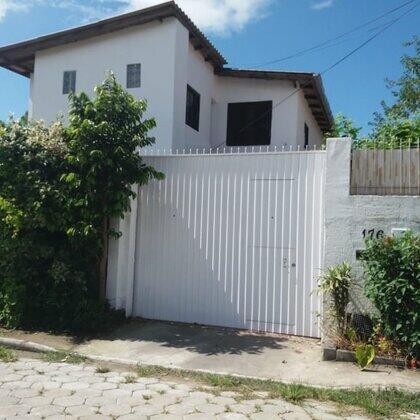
(266, 356)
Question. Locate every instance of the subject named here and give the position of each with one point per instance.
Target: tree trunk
(103, 263)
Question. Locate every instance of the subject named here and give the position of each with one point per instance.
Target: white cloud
(217, 16)
(322, 5)
(11, 6)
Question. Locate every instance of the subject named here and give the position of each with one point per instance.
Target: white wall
(284, 120)
(346, 216)
(153, 45)
(169, 62)
(305, 116)
(201, 78)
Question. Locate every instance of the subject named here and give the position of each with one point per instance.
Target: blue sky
(248, 33)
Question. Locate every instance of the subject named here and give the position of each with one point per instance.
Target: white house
(159, 54)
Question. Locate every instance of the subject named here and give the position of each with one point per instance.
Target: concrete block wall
(349, 217)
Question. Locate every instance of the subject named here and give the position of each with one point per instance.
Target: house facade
(160, 55)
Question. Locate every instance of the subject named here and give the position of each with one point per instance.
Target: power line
(329, 68)
(330, 40)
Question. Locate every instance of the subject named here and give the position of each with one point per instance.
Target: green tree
(344, 127)
(103, 137)
(59, 186)
(398, 125)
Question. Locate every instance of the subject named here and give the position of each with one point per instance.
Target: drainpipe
(131, 262)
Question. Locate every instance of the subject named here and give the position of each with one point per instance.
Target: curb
(26, 345)
(40, 348)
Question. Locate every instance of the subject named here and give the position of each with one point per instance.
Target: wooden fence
(385, 172)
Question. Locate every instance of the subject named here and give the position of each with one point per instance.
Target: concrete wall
(347, 216)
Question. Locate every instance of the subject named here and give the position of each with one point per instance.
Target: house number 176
(372, 233)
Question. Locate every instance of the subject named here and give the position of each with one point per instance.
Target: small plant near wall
(336, 283)
(392, 282)
(365, 353)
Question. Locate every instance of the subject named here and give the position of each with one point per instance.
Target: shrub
(392, 282)
(58, 188)
(336, 282)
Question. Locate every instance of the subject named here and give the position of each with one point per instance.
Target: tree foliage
(344, 127)
(58, 188)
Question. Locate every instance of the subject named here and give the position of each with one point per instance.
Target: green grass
(386, 403)
(130, 379)
(7, 355)
(101, 369)
(63, 356)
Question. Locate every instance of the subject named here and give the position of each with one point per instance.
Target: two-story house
(159, 54)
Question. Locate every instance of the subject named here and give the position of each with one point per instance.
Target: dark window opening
(69, 82)
(133, 76)
(192, 117)
(249, 123)
(306, 136)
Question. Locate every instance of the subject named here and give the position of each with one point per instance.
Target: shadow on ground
(196, 338)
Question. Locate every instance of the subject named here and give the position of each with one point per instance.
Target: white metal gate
(232, 240)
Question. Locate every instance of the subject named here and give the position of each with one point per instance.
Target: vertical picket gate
(232, 240)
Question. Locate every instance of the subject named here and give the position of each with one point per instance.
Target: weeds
(101, 369)
(387, 403)
(63, 356)
(7, 355)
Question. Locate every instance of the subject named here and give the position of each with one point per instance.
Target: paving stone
(46, 385)
(200, 416)
(147, 381)
(149, 409)
(27, 417)
(96, 417)
(231, 416)
(103, 386)
(133, 417)
(300, 415)
(117, 393)
(166, 417)
(211, 408)
(75, 386)
(80, 410)
(11, 378)
(47, 410)
(21, 393)
(55, 393)
(68, 401)
(14, 410)
(132, 401)
(223, 400)
(98, 401)
(16, 385)
(5, 401)
(88, 393)
(261, 416)
(243, 408)
(115, 410)
(37, 401)
(180, 409)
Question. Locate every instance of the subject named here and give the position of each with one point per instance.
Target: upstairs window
(306, 144)
(249, 123)
(192, 117)
(133, 76)
(69, 82)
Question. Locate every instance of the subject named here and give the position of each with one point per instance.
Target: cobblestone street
(34, 389)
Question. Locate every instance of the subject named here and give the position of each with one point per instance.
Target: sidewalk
(283, 358)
